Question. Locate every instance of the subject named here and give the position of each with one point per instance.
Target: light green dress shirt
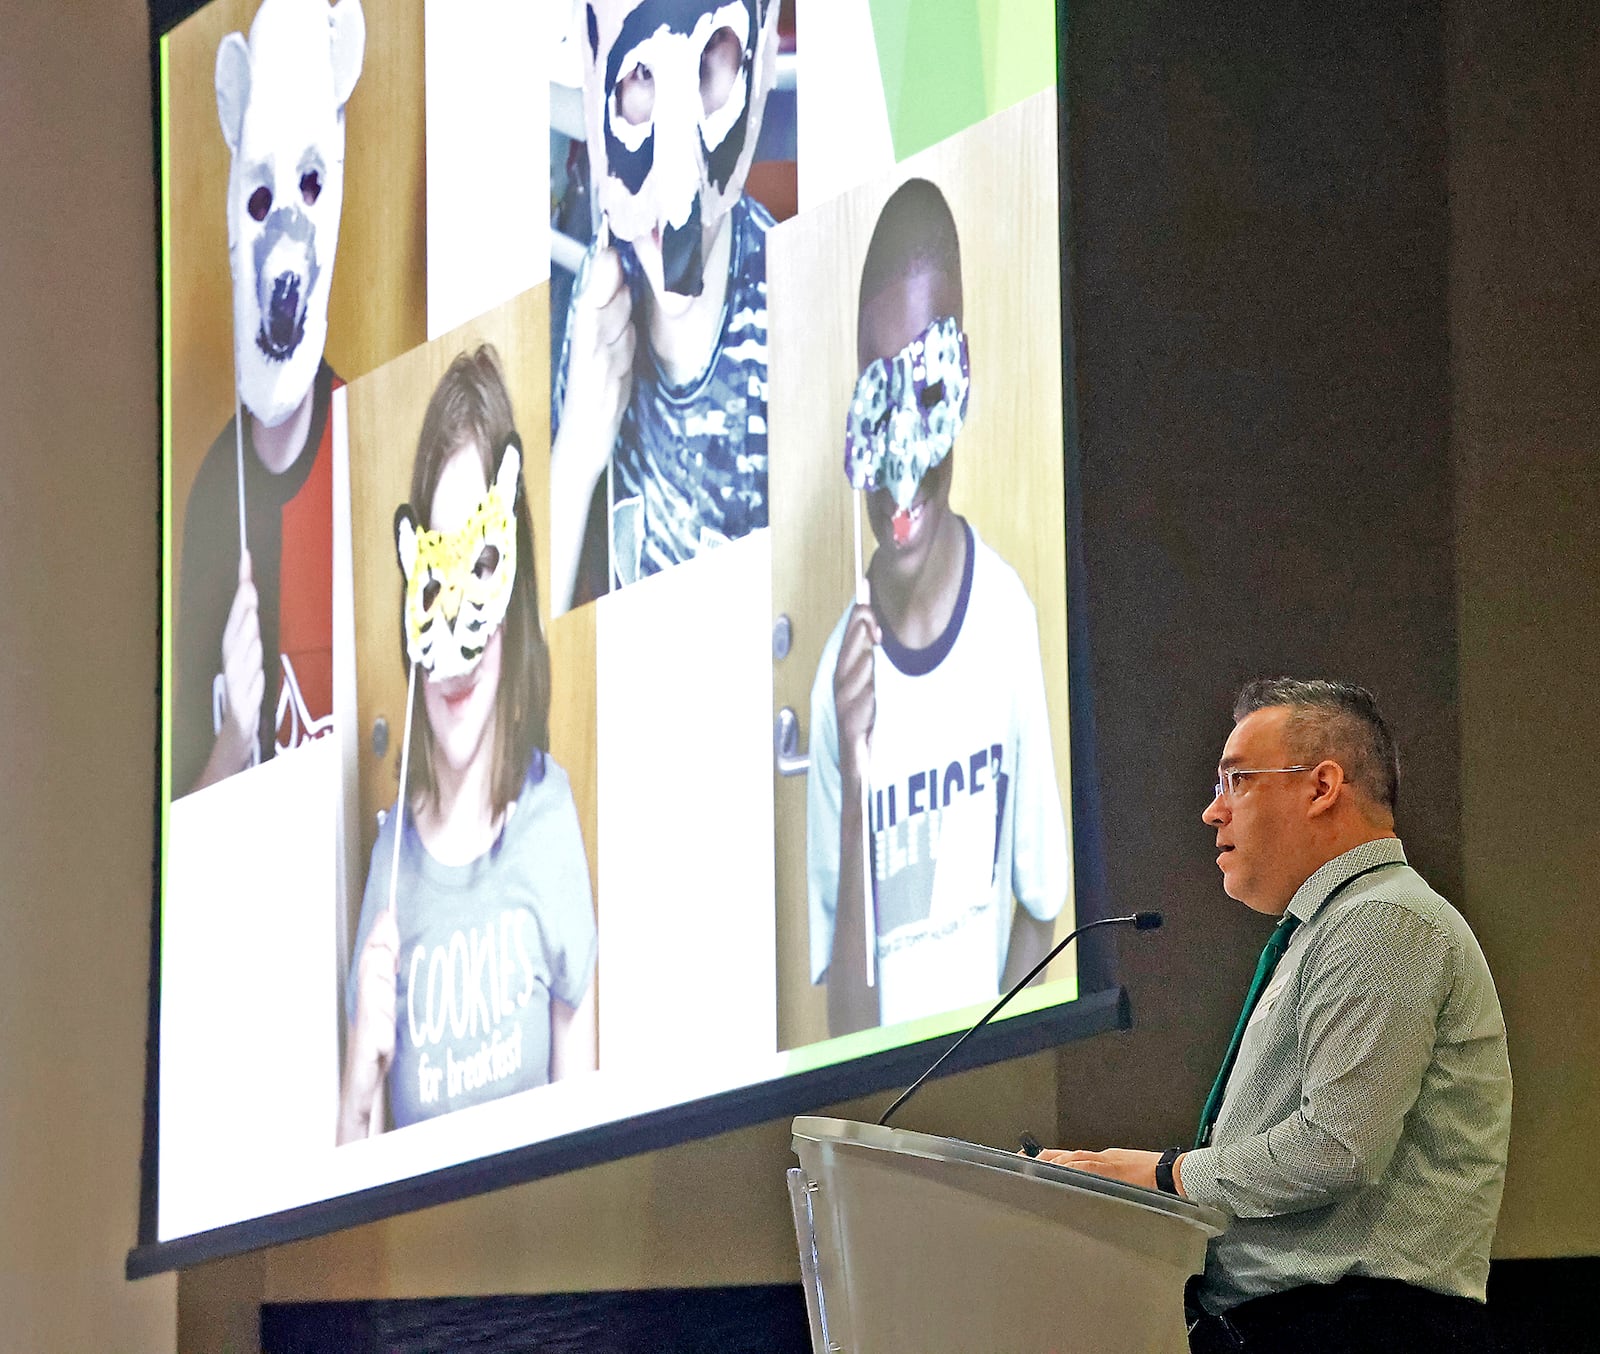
(1365, 1124)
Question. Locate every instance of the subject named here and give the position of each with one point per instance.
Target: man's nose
(1216, 813)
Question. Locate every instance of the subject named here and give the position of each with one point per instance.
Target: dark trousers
(1353, 1316)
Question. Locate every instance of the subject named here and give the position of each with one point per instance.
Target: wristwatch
(1164, 1181)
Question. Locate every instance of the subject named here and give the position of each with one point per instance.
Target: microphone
(1140, 921)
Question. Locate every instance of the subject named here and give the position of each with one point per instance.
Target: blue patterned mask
(906, 412)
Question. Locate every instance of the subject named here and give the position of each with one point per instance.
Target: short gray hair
(1337, 720)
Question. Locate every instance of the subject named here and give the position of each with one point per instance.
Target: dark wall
(1263, 388)
(1525, 366)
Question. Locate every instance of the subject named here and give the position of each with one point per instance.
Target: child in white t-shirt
(934, 692)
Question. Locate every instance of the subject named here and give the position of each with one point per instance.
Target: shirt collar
(1311, 895)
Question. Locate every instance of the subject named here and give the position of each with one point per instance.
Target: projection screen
(618, 678)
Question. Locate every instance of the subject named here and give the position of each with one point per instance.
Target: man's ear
(233, 87)
(348, 37)
(1328, 785)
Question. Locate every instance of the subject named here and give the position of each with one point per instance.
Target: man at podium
(1358, 1127)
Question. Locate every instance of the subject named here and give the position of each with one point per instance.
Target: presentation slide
(615, 591)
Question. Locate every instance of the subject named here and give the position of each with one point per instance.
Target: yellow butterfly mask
(458, 586)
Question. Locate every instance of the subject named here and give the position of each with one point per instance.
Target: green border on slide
(979, 57)
(165, 114)
(847, 1046)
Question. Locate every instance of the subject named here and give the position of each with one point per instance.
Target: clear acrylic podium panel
(913, 1244)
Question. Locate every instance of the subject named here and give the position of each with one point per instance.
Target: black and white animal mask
(673, 96)
(281, 98)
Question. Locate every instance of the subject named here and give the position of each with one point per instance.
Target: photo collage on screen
(615, 646)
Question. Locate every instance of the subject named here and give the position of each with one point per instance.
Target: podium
(912, 1244)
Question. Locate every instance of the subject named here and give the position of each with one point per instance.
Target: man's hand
(1115, 1163)
(853, 701)
(372, 1034)
(599, 380)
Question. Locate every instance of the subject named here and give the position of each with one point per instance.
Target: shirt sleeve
(208, 578)
(1371, 991)
(566, 900)
(823, 793)
(1040, 866)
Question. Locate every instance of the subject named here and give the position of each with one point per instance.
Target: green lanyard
(1277, 943)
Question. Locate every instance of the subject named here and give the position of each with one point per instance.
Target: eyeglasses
(1228, 779)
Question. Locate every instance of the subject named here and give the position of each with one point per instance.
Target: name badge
(1268, 998)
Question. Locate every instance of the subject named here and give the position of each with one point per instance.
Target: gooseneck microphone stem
(1141, 921)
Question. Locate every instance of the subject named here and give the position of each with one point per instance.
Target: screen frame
(1033, 1032)
(1102, 1005)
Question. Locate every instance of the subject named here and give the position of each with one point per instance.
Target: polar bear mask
(281, 98)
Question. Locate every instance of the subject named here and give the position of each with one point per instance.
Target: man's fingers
(1065, 1156)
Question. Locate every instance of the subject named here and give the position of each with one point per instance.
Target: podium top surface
(876, 1137)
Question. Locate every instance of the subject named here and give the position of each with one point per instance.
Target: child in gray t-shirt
(475, 954)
